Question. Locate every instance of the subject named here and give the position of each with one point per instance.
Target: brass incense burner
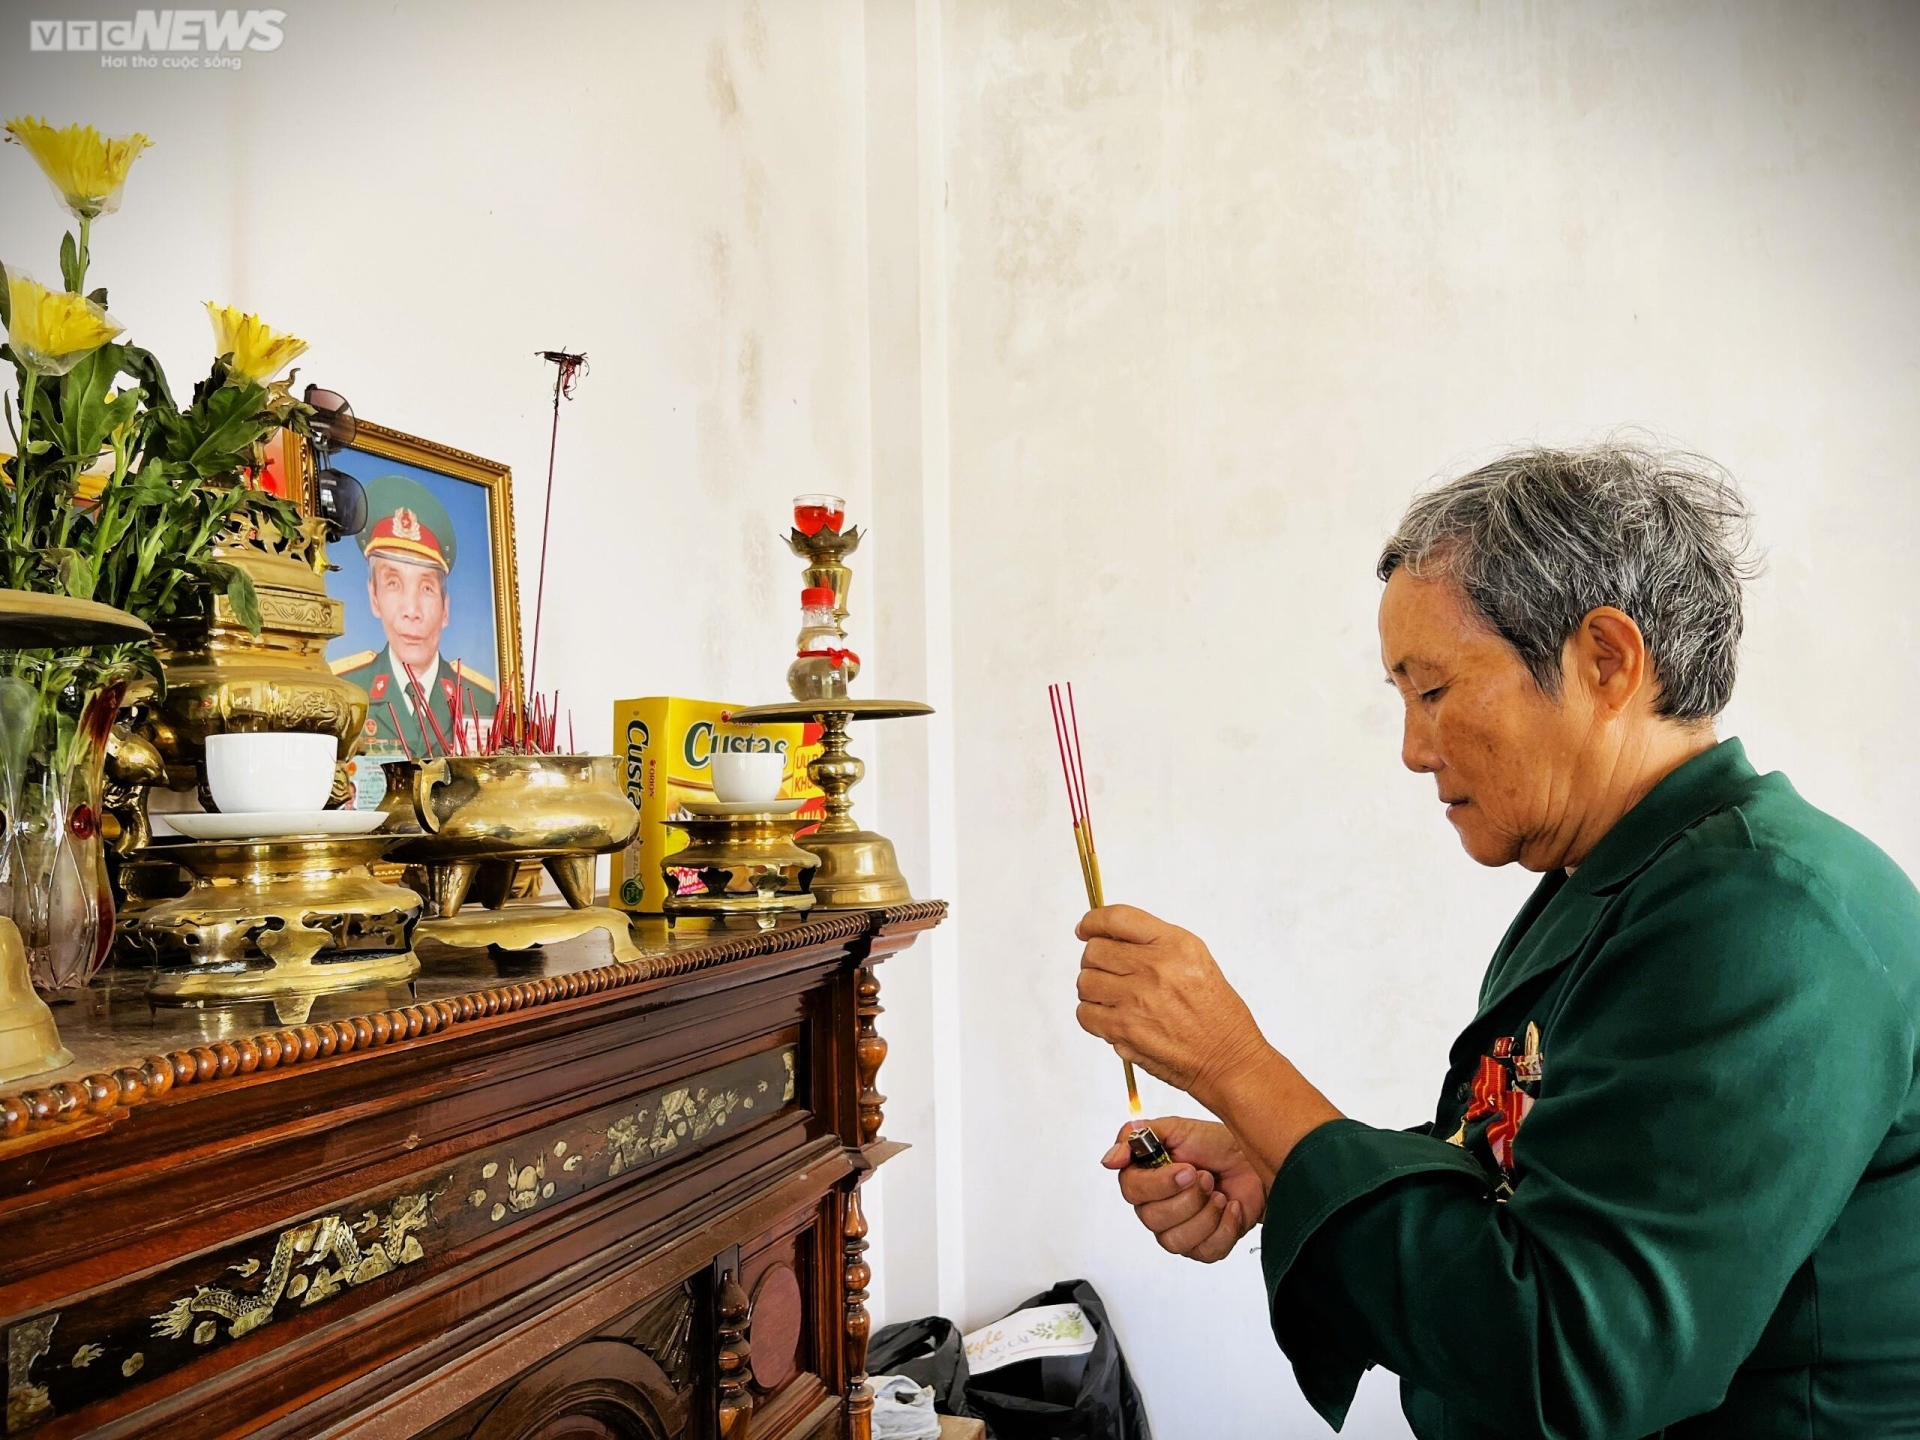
(221, 677)
(283, 920)
(468, 822)
(745, 864)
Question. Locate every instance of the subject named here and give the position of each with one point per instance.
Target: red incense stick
(401, 734)
(420, 701)
(1066, 734)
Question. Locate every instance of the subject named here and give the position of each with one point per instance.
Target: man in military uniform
(410, 549)
(1671, 1182)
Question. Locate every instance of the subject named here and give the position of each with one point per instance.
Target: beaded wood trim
(914, 914)
(67, 1102)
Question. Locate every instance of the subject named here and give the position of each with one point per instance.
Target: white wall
(432, 192)
(1131, 327)
(1227, 282)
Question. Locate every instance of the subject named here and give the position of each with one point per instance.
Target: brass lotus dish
(858, 870)
(741, 865)
(279, 919)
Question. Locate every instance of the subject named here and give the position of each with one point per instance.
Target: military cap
(407, 522)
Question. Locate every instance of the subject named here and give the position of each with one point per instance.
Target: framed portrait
(431, 593)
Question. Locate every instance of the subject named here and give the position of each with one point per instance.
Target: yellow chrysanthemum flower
(51, 331)
(258, 352)
(86, 169)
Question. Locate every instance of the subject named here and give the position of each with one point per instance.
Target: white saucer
(276, 824)
(713, 809)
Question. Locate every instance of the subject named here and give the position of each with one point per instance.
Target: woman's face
(1510, 763)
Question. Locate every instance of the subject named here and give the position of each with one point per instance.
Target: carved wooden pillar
(869, 1054)
(733, 1317)
(859, 1323)
(870, 1051)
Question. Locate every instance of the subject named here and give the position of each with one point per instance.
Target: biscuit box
(667, 745)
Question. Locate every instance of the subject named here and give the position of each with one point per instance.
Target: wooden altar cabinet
(532, 1197)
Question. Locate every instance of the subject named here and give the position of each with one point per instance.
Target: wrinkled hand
(1153, 992)
(1200, 1205)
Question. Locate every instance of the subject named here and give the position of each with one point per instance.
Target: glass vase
(55, 718)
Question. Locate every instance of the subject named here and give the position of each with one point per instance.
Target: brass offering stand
(29, 1039)
(858, 869)
(281, 920)
(748, 865)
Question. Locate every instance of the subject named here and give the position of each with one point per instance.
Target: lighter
(1145, 1147)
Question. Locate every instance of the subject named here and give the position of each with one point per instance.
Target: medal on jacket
(1505, 1084)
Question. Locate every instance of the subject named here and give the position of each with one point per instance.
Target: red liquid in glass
(809, 519)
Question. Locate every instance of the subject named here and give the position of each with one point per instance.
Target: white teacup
(278, 770)
(742, 776)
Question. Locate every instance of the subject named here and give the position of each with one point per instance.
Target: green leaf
(70, 263)
(142, 366)
(229, 421)
(85, 418)
(98, 296)
(76, 575)
(244, 598)
(147, 663)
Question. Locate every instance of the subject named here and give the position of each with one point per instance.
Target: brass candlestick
(825, 552)
(858, 869)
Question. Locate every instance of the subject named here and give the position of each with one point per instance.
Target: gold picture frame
(495, 481)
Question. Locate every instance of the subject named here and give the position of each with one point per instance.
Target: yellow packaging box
(668, 744)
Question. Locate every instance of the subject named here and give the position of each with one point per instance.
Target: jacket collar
(1710, 781)
(1563, 910)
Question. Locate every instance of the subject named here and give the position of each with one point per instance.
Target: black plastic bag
(1066, 1397)
(927, 1352)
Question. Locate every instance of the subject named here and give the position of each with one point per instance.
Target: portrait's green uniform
(389, 692)
(1673, 1183)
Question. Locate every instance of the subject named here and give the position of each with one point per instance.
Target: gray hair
(1539, 538)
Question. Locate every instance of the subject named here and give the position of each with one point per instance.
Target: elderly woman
(1673, 1175)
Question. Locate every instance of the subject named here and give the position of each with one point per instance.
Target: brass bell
(29, 1040)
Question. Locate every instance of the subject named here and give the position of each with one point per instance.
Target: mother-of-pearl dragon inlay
(309, 1247)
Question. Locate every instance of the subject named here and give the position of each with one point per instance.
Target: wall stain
(749, 377)
(719, 256)
(715, 447)
(755, 25)
(753, 198)
(720, 88)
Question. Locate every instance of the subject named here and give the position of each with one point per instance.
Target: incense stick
(1066, 733)
(402, 734)
(424, 709)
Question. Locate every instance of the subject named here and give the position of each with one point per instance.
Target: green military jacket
(1672, 1187)
(387, 702)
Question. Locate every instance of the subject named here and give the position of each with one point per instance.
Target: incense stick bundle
(1147, 1148)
